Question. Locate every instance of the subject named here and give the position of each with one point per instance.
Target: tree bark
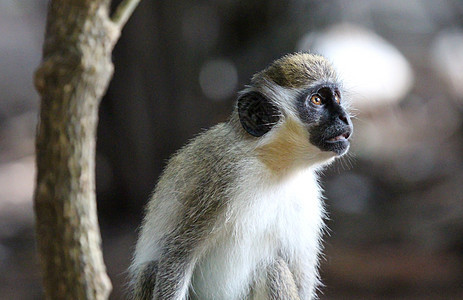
(74, 74)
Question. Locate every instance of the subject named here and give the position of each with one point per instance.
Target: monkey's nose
(345, 119)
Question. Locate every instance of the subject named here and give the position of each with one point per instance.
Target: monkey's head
(296, 111)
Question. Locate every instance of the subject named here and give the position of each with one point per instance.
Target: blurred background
(396, 203)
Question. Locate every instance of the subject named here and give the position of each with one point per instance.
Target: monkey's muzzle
(338, 142)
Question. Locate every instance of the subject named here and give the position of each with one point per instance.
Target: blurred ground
(396, 203)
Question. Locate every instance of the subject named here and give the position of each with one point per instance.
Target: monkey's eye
(315, 99)
(337, 98)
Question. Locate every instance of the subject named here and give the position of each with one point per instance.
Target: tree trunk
(71, 80)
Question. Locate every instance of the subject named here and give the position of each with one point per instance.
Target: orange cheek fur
(288, 145)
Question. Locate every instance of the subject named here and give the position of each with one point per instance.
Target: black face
(329, 125)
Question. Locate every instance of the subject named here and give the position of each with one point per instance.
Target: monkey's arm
(144, 281)
(305, 276)
(281, 284)
(175, 269)
(168, 277)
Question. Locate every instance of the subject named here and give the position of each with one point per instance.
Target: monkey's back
(193, 186)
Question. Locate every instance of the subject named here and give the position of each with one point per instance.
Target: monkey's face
(296, 127)
(329, 126)
(296, 110)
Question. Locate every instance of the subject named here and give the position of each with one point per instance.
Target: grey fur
(281, 281)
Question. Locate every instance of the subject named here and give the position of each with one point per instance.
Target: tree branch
(123, 12)
(73, 76)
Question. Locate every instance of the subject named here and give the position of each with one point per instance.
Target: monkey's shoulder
(207, 165)
(212, 151)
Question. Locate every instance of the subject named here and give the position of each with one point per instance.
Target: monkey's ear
(257, 114)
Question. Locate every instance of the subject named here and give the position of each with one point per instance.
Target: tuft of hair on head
(298, 70)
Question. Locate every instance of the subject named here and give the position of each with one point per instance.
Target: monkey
(238, 212)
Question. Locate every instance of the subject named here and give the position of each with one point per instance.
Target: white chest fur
(265, 220)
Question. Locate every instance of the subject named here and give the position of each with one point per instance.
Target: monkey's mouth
(332, 139)
(342, 137)
(338, 143)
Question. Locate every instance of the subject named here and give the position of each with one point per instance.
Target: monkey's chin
(338, 147)
(327, 153)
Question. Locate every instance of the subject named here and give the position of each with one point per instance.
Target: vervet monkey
(238, 213)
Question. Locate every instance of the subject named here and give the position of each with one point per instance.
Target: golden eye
(337, 98)
(315, 99)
